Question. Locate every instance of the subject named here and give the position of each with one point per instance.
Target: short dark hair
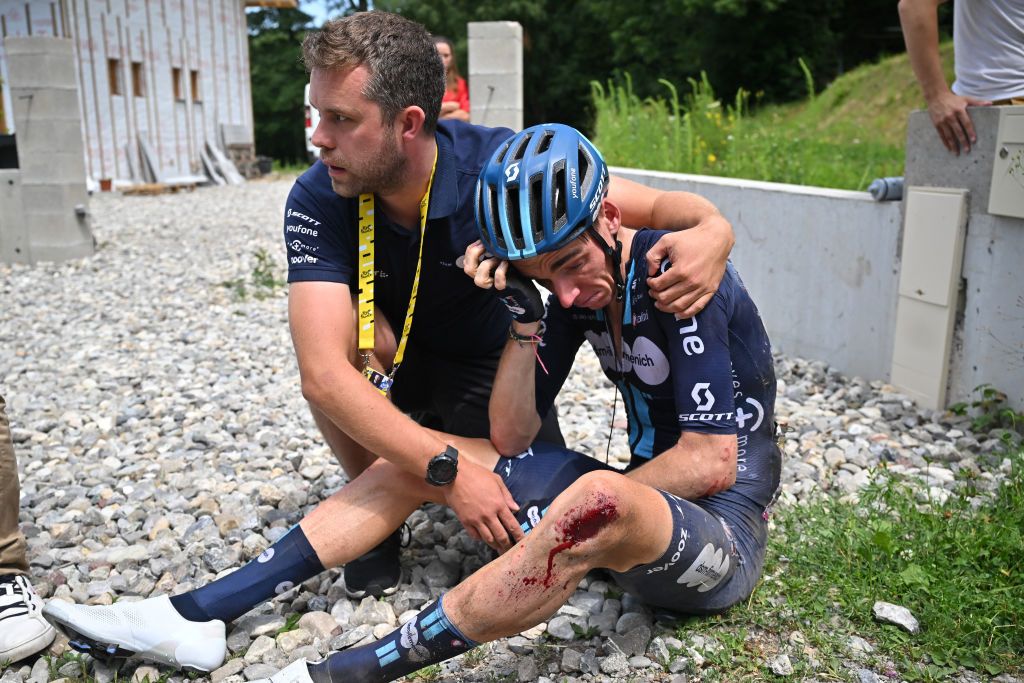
(405, 68)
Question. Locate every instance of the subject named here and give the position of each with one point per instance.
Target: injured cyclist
(684, 528)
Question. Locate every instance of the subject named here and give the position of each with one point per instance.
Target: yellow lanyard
(366, 271)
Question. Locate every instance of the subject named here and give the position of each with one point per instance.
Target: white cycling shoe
(150, 629)
(296, 672)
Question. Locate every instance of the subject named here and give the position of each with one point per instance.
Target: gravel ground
(162, 439)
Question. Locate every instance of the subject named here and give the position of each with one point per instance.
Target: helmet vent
(558, 208)
(536, 207)
(586, 166)
(492, 200)
(501, 154)
(545, 141)
(520, 151)
(514, 216)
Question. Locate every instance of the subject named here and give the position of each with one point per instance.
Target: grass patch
(290, 167)
(290, 624)
(957, 565)
(428, 673)
(843, 137)
(262, 282)
(989, 410)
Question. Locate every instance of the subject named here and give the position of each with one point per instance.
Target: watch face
(442, 470)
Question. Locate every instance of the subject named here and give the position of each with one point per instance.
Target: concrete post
(52, 224)
(988, 337)
(496, 73)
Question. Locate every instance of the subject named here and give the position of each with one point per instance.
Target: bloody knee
(588, 515)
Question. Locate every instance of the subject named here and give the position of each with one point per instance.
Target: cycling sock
(428, 639)
(279, 568)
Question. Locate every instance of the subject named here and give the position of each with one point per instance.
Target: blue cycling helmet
(539, 191)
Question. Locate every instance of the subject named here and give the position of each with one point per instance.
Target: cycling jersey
(712, 373)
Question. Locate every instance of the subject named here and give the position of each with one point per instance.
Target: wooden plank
(150, 162)
(211, 168)
(224, 165)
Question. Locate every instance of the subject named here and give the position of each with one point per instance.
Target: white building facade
(157, 79)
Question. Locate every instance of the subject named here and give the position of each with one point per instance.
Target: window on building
(138, 85)
(114, 76)
(176, 82)
(194, 82)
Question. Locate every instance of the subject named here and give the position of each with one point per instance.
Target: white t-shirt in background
(988, 38)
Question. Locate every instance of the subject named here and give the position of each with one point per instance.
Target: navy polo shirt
(453, 317)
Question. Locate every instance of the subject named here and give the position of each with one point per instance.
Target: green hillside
(873, 98)
(847, 135)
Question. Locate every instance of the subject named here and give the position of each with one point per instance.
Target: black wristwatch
(441, 469)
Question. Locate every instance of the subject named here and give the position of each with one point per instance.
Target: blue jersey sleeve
(701, 368)
(557, 351)
(319, 231)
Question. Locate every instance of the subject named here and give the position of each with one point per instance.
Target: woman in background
(455, 103)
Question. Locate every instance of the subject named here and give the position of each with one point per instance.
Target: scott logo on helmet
(511, 173)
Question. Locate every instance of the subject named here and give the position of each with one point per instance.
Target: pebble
(615, 665)
(781, 666)
(888, 613)
(163, 440)
(319, 625)
(230, 668)
(867, 676)
(259, 648)
(561, 626)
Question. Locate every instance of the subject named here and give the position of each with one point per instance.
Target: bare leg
(603, 520)
(367, 509)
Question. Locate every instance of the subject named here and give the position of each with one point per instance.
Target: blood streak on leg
(582, 525)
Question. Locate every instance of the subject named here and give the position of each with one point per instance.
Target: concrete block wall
(496, 73)
(45, 202)
(988, 338)
(824, 265)
(14, 246)
(820, 264)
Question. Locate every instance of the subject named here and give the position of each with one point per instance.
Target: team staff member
(377, 81)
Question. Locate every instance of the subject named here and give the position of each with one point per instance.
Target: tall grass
(697, 133)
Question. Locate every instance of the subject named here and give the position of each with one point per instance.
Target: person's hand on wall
(952, 122)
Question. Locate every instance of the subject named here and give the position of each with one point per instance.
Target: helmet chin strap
(615, 254)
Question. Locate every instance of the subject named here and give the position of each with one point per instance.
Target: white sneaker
(23, 630)
(151, 629)
(296, 672)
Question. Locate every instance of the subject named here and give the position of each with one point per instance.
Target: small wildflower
(712, 158)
